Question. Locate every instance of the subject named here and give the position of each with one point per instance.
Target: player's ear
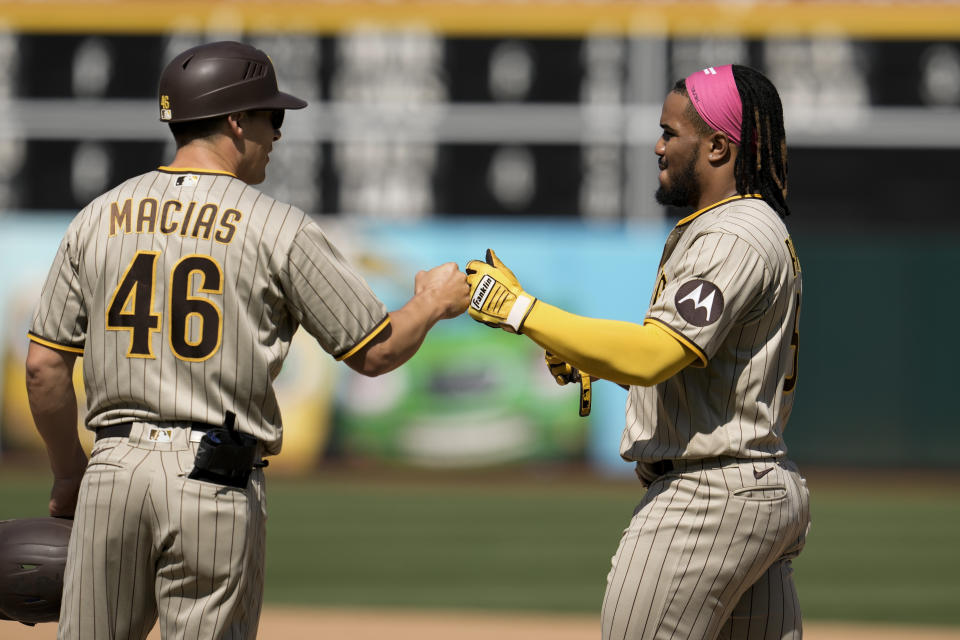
(720, 147)
(236, 122)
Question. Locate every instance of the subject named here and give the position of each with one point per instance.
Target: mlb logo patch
(187, 181)
(160, 435)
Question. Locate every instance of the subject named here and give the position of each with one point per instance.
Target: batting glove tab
(496, 298)
(563, 373)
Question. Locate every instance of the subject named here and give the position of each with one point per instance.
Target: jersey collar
(696, 214)
(192, 170)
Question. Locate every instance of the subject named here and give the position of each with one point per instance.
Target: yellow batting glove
(564, 373)
(586, 395)
(496, 298)
(561, 371)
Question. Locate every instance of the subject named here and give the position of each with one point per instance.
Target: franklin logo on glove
(483, 290)
(496, 298)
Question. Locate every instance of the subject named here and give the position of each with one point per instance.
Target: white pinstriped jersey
(183, 290)
(729, 287)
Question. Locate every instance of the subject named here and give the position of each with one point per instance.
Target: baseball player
(182, 288)
(712, 374)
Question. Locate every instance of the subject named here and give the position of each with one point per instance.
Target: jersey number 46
(195, 323)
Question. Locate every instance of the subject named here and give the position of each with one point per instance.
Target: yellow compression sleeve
(621, 352)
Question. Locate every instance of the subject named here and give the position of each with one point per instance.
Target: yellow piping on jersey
(54, 345)
(701, 356)
(193, 170)
(370, 336)
(715, 205)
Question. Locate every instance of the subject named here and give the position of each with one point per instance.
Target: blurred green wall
(877, 350)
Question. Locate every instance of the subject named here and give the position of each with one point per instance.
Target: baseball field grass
(881, 550)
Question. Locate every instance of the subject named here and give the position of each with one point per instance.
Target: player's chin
(666, 197)
(663, 182)
(261, 173)
(256, 178)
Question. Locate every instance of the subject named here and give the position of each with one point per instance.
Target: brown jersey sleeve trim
(54, 345)
(697, 351)
(370, 336)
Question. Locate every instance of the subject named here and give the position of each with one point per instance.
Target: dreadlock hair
(761, 165)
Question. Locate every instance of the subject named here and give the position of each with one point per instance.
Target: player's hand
(561, 371)
(63, 496)
(564, 373)
(448, 287)
(496, 297)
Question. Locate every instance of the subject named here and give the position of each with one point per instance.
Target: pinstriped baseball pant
(707, 555)
(150, 543)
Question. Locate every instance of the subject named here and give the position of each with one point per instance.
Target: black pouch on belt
(225, 456)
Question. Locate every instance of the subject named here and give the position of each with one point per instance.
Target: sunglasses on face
(276, 116)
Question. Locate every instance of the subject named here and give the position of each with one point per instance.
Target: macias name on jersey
(171, 217)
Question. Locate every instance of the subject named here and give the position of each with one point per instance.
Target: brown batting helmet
(33, 555)
(219, 78)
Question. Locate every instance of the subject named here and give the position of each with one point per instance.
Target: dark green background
(878, 350)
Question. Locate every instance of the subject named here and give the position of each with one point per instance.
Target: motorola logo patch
(699, 302)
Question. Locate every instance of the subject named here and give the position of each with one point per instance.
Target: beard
(684, 190)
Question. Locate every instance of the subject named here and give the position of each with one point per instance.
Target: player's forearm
(53, 403)
(400, 339)
(621, 352)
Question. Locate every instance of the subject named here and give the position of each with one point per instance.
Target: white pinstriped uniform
(707, 553)
(182, 291)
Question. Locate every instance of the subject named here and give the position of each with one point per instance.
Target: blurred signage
(408, 123)
(857, 18)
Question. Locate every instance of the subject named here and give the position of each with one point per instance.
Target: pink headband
(714, 95)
